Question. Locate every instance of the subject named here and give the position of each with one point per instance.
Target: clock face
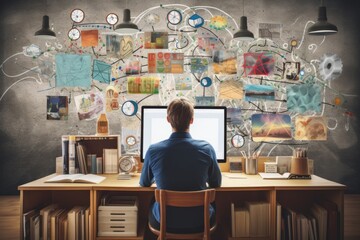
(129, 108)
(125, 164)
(174, 17)
(112, 18)
(206, 82)
(74, 34)
(130, 140)
(77, 15)
(237, 141)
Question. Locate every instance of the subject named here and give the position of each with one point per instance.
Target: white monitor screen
(209, 125)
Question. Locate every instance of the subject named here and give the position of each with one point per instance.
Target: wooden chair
(184, 199)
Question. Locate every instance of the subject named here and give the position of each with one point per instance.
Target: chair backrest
(184, 199)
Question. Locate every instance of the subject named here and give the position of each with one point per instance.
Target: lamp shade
(243, 33)
(322, 26)
(45, 32)
(127, 27)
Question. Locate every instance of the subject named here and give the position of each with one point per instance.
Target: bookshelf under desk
(236, 187)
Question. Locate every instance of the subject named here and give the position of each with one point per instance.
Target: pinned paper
(101, 71)
(73, 70)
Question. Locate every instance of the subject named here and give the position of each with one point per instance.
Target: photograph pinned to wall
(231, 89)
(89, 38)
(119, 46)
(291, 71)
(57, 108)
(199, 65)
(270, 127)
(233, 116)
(165, 62)
(304, 98)
(101, 71)
(270, 30)
(224, 62)
(182, 83)
(89, 106)
(111, 96)
(259, 92)
(218, 22)
(143, 85)
(258, 63)
(126, 46)
(310, 128)
(130, 140)
(205, 101)
(156, 40)
(132, 68)
(73, 70)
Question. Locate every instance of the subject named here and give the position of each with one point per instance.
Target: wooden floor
(10, 220)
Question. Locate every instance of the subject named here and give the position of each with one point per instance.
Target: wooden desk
(236, 187)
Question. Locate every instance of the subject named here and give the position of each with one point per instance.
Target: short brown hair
(180, 112)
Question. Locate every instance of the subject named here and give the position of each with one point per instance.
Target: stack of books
(251, 220)
(319, 223)
(55, 223)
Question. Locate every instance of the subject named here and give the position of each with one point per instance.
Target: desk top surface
(230, 182)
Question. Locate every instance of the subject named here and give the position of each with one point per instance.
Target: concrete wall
(29, 143)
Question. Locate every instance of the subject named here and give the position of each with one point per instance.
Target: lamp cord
(243, 8)
(322, 3)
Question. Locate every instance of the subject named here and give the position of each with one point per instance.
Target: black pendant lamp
(45, 32)
(243, 34)
(127, 27)
(322, 26)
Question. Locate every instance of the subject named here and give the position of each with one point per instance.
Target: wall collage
(275, 94)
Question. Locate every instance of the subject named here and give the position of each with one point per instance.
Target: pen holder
(299, 166)
(251, 166)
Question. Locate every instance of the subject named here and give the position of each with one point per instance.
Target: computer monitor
(209, 125)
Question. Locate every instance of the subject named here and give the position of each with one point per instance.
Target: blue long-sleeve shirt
(181, 163)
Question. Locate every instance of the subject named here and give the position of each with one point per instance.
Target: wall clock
(130, 140)
(174, 17)
(77, 15)
(112, 18)
(237, 141)
(74, 34)
(206, 82)
(129, 108)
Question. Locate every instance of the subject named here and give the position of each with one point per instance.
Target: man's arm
(214, 171)
(147, 176)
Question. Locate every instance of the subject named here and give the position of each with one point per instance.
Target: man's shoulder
(158, 145)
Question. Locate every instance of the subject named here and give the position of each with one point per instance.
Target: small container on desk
(251, 165)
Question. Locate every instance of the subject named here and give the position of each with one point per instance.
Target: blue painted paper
(101, 71)
(73, 70)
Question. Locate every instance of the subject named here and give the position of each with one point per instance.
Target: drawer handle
(117, 220)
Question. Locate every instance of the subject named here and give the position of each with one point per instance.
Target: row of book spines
(77, 164)
(53, 223)
(251, 220)
(319, 223)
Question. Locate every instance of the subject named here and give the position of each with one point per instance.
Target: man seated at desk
(181, 163)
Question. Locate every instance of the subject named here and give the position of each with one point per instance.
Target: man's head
(180, 114)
